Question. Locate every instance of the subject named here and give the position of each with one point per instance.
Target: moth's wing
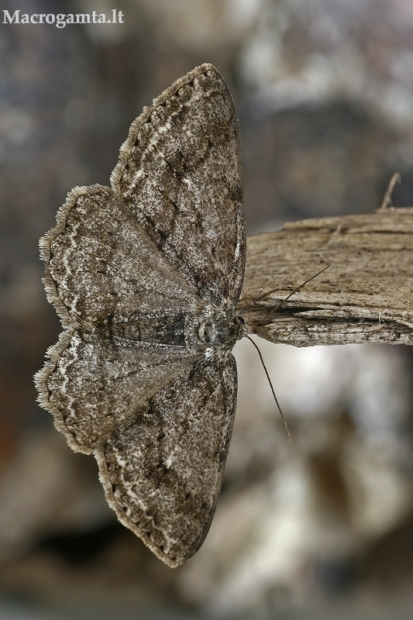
(101, 265)
(162, 471)
(94, 382)
(180, 174)
(103, 273)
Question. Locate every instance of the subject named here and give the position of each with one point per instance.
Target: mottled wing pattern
(162, 471)
(93, 382)
(101, 264)
(180, 174)
(128, 269)
(104, 273)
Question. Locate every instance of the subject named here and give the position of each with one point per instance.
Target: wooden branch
(366, 295)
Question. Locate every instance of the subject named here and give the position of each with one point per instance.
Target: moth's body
(215, 328)
(146, 276)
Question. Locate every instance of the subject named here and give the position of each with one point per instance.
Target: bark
(365, 295)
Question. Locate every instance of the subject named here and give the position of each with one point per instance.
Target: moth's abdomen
(169, 330)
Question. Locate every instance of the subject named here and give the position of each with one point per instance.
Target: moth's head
(221, 328)
(242, 327)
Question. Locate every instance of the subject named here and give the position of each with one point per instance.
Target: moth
(145, 277)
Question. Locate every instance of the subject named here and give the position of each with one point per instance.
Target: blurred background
(321, 528)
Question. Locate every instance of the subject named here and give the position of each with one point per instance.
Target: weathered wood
(365, 295)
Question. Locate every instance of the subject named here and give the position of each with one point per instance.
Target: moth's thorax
(220, 328)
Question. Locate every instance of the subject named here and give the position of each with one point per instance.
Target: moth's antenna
(272, 389)
(282, 302)
(272, 310)
(288, 296)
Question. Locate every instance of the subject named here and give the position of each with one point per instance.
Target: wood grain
(366, 294)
